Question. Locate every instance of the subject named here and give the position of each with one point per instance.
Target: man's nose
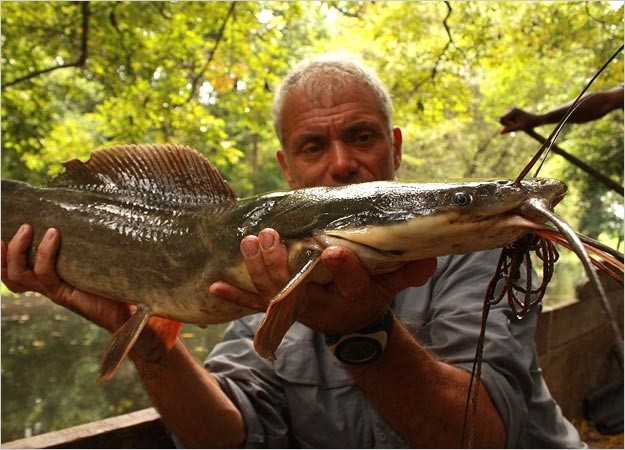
(343, 166)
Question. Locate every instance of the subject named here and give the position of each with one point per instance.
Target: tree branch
(439, 58)
(120, 35)
(195, 82)
(346, 12)
(79, 62)
(450, 41)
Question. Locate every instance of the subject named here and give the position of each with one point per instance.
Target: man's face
(337, 140)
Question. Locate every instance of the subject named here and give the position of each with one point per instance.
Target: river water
(50, 363)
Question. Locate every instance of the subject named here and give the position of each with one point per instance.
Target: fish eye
(461, 198)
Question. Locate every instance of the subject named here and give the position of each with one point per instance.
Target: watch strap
(364, 345)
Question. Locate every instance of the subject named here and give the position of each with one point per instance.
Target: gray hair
(330, 73)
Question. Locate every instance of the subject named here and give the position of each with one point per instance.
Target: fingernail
(249, 248)
(50, 234)
(22, 229)
(267, 240)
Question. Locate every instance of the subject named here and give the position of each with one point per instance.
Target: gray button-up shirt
(306, 398)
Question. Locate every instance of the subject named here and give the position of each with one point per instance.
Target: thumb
(350, 276)
(415, 273)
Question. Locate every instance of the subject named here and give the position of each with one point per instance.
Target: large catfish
(155, 225)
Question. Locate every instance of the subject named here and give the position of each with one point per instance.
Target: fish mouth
(397, 238)
(383, 248)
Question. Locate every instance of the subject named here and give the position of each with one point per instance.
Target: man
(333, 119)
(591, 107)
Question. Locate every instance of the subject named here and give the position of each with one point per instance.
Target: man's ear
(397, 141)
(281, 157)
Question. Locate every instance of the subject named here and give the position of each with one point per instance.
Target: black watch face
(358, 350)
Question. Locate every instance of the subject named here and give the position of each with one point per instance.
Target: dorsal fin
(173, 175)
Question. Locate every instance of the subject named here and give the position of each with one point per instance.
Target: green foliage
(192, 72)
(203, 74)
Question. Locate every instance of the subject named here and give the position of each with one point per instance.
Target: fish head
(547, 192)
(387, 224)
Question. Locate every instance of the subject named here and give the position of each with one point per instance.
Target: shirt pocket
(304, 358)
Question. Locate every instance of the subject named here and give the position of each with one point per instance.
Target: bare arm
(426, 414)
(188, 398)
(592, 107)
(190, 401)
(429, 413)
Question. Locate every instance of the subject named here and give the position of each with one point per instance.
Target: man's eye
(311, 149)
(363, 137)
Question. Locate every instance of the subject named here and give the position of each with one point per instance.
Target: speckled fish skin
(124, 251)
(146, 251)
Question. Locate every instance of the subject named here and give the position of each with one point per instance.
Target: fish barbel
(155, 225)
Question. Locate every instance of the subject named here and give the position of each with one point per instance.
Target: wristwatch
(364, 345)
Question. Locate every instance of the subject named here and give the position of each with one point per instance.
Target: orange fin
(604, 258)
(166, 329)
(282, 312)
(124, 338)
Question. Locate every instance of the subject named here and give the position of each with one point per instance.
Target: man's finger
(14, 287)
(266, 260)
(275, 255)
(17, 266)
(45, 261)
(350, 275)
(255, 264)
(415, 273)
(236, 295)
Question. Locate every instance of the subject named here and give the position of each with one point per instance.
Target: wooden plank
(559, 325)
(139, 429)
(578, 368)
(575, 345)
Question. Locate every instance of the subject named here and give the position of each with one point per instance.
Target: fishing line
(509, 269)
(562, 122)
(550, 142)
(521, 298)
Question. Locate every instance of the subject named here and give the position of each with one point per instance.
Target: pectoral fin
(282, 311)
(124, 339)
(121, 343)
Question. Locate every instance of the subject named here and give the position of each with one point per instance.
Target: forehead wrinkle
(308, 137)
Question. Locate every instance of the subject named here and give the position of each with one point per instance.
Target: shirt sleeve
(251, 383)
(305, 398)
(451, 325)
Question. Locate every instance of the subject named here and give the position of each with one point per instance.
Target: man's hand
(516, 119)
(18, 276)
(353, 300)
